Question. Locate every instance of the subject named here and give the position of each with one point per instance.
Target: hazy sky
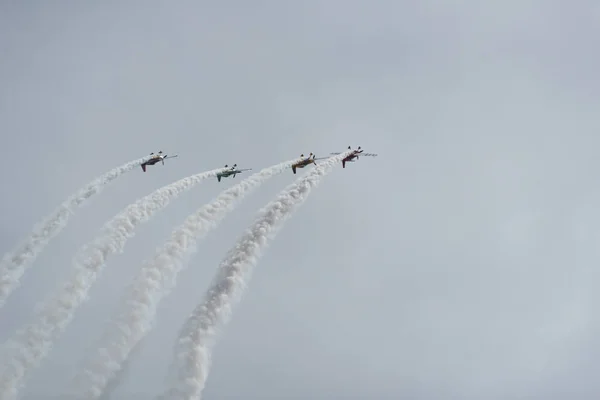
(462, 263)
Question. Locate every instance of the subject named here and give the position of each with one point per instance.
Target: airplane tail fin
(294, 169)
(219, 178)
(343, 164)
(144, 167)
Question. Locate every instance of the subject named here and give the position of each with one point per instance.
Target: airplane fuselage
(351, 157)
(302, 164)
(153, 161)
(227, 173)
(156, 158)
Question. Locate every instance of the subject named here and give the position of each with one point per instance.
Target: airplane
(305, 161)
(230, 171)
(355, 154)
(156, 158)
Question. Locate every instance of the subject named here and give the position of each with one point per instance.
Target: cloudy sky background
(461, 263)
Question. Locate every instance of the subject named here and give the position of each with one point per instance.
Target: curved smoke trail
(14, 264)
(31, 344)
(156, 280)
(192, 350)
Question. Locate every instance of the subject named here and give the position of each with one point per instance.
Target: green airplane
(230, 171)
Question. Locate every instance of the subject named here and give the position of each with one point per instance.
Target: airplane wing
(335, 154)
(368, 155)
(247, 169)
(176, 155)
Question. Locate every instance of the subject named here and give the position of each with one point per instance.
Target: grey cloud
(460, 263)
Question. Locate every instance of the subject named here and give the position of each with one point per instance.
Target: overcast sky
(462, 263)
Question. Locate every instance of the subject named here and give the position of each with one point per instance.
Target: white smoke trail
(156, 280)
(31, 344)
(192, 353)
(14, 264)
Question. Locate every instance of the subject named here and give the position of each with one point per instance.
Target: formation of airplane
(156, 158)
(355, 154)
(230, 171)
(305, 161)
(233, 171)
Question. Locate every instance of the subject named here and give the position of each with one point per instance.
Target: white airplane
(156, 158)
(231, 171)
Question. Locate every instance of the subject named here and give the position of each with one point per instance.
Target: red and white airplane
(156, 158)
(354, 155)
